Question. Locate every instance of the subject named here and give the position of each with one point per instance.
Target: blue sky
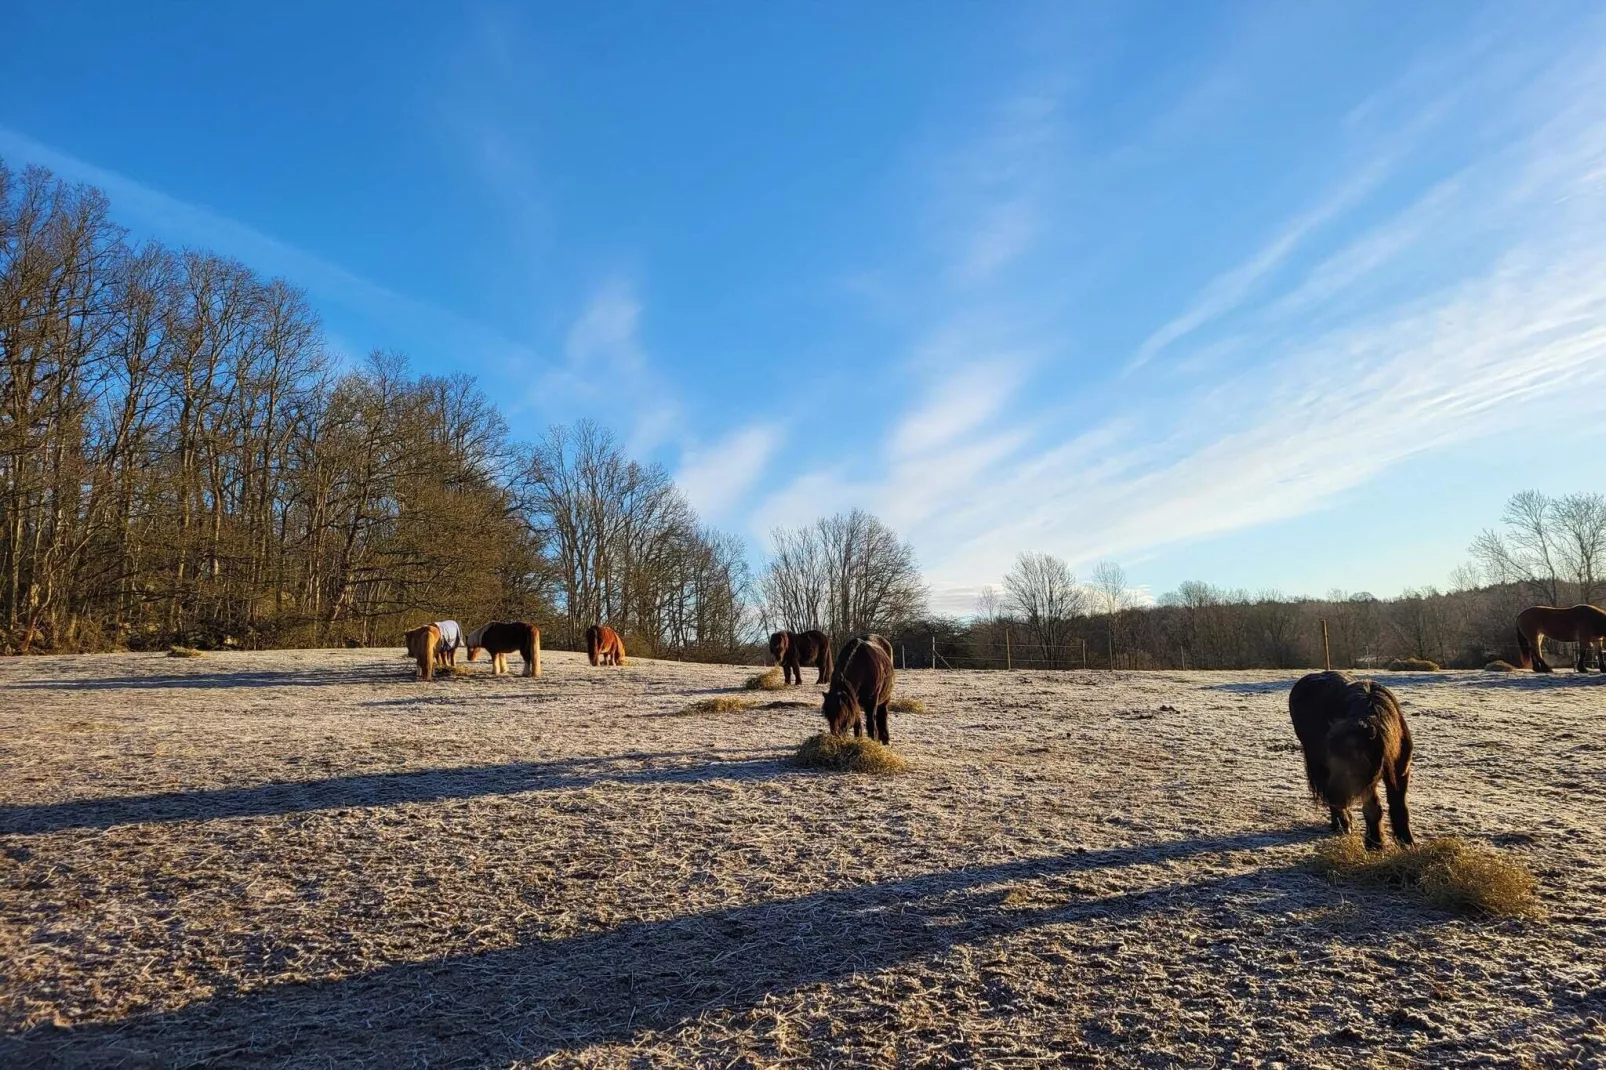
(1273, 295)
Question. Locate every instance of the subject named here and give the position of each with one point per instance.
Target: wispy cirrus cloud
(1362, 337)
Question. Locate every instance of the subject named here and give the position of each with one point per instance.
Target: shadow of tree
(381, 789)
(539, 999)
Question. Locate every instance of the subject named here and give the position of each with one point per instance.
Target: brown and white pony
(603, 645)
(793, 650)
(500, 638)
(1582, 624)
(422, 642)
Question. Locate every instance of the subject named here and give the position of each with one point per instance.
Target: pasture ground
(307, 858)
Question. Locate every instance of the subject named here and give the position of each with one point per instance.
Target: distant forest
(181, 461)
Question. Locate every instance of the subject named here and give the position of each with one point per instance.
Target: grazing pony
(793, 650)
(604, 646)
(861, 686)
(422, 642)
(500, 638)
(1353, 735)
(451, 640)
(1582, 624)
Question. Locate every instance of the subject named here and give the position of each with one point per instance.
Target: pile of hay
(1446, 870)
(454, 670)
(907, 705)
(1413, 665)
(183, 652)
(847, 755)
(718, 704)
(1499, 666)
(771, 679)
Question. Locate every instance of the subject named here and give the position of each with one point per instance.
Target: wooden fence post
(1327, 654)
(1008, 661)
(933, 650)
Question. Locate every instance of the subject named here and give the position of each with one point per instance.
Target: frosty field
(308, 858)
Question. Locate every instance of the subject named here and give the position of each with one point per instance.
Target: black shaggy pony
(793, 650)
(861, 686)
(1354, 735)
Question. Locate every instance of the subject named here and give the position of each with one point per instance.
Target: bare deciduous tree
(1042, 589)
(847, 574)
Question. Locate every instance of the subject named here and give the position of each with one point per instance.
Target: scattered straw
(183, 652)
(1446, 870)
(907, 705)
(771, 679)
(718, 704)
(1413, 665)
(1499, 666)
(847, 755)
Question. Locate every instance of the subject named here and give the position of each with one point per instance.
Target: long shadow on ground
(1405, 681)
(538, 999)
(401, 672)
(381, 789)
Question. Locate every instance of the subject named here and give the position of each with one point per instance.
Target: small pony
(861, 686)
(1353, 735)
(793, 650)
(451, 640)
(422, 642)
(501, 638)
(604, 646)
(1582, 624)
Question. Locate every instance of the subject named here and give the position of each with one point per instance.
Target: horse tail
(826, 662)
(532, 651)
(1524, 650)
(593, 641)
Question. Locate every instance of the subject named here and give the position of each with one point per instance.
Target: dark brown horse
(422, 642)
(1353, 735)
(861, 686)
(500, 638)
(1582, 624)
(793, 650)
(604, 646)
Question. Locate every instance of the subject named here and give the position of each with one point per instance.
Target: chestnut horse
(500, 638)
(1354, 735)
(793, 650)
(861, 686)
(1582, 624)
(422, 642)
(604, 646)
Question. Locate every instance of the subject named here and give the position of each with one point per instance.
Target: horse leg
(1340, 820)
(881, 732)
(1540, 664)
(1399, 816)
(1372, 809)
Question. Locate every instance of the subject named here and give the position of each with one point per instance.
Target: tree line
(1546, 550)
(181, 460)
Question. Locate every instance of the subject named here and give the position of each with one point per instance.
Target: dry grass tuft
(771, 679)
(1448, 871)
(1499, 666)
(908, 705)
(454, 670)
(718, 704)
(1413, 665)
(847, 755)
(183, 652)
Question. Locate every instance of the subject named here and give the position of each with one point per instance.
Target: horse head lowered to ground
(793, 650)
(500, 638)
(861, 686)
(1354, 735)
